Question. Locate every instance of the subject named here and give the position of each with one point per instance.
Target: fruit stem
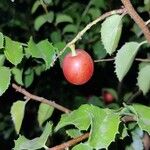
(72, 47)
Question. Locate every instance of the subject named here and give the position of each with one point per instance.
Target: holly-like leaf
(17, 75)
(79, 118)
(39, 142)
(60, 18)
(2, 59)
(143, 80)
(104, 127)
(144, 116)
(34, 144)
(42, 19)
(44, 112)
(82, 146)
(125, 58)
(17, 114)
(1, 40)
(111, 32)
(5, 76)
(13, 51)
(73, 133)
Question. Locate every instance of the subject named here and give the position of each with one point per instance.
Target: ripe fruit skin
(108, 97)
(78, 69)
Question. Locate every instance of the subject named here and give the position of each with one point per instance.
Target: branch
(134, 15)
(40, 99)
(81, 33)
(71, 142)
(112, 59)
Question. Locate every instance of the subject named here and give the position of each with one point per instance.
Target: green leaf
(43, 49)
(2, 59)
(55, 36)
(17, 114)
(94, 12)
(35, 6)
(73, 133)
(94, 100)
(111, 32)
(79, 118)
(104, 127)
(144, 116)
(34, 144)
(60, 18)
(99, 50)
(32, 49)
(70, 28)
(13, 51)
(143, 80)
(38, 142)
(82, 146)
(1, 40)
(5, 76)
(19, 141)
(28, 77)
(17, 75)
(45, 111)
(42, 19)
(47, 52)
(39, 69)
(125, 58)
(100, 3)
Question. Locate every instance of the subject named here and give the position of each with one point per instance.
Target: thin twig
(40, 99)
(139, 92)
(44, 6)
(112, 59)
(134, 15)
(70, 142)
(81, 33)
(84, 12)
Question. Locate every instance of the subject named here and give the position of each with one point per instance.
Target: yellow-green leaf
(5, 76)
(144, 78)
(144, 116)
(17, 73)
(44, 112)
(1, 40)
(13, 51)
(125, 58)
(17, 114)
(111, 32)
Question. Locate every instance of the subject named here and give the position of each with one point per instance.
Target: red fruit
(78, 69)
(108, 97)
